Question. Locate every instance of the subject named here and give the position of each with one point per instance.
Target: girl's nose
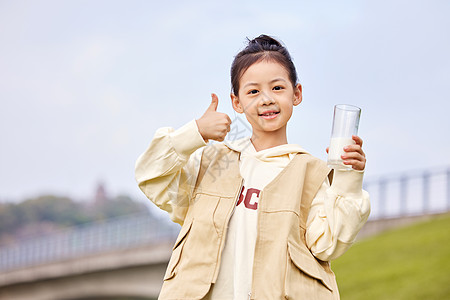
(266, 99)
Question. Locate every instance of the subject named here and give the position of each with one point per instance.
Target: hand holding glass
(345, 124)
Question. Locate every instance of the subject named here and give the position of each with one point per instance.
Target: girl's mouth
(268, 115)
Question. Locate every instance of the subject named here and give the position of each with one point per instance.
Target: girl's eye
(278, 88)
(253, 92)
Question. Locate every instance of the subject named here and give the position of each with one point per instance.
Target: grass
(407, 263)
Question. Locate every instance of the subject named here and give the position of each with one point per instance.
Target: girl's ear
(298, 94)
(236, 104)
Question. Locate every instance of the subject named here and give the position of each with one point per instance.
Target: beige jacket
(167, 172)
(284, 268)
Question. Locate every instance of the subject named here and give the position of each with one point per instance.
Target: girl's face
(267, 97)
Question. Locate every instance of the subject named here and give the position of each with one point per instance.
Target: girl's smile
(269, 114)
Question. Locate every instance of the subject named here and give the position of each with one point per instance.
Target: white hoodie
(337, 212)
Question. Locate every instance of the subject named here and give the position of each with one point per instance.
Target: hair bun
(265, 40)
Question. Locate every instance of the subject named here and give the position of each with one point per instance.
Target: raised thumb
(214, 102)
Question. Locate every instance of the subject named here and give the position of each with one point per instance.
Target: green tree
(48, 213)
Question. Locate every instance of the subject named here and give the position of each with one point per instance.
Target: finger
(358, 140)
(356, 164)
(354, 148)
(353, 155)
(229, 120)
(214, 102)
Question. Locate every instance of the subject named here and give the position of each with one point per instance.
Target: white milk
(336, 150)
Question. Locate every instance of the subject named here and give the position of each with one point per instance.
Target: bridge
(126, 257)
(123, 258)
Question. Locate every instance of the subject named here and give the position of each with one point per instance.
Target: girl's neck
(265, 140)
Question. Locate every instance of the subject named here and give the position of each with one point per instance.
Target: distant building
(100, 195)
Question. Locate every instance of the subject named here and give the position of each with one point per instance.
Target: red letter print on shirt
(250, 201)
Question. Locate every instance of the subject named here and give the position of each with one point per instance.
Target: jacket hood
(245, 146)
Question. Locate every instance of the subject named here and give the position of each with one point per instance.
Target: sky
(84, 85)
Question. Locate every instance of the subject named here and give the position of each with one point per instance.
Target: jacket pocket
(177, 249)
(305, 272)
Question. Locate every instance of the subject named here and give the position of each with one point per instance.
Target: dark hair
(261, 48)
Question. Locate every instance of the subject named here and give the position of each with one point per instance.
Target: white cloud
(96, 56)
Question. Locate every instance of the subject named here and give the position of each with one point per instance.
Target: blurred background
(85, 84)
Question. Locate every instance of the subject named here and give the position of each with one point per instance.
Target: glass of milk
(345, 124)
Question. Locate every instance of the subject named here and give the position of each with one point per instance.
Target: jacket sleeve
(337, 214)
(167, 171)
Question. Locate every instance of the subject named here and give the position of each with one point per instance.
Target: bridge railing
(409, 194)
(114, 234)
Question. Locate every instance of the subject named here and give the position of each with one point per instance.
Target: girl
(261, 218)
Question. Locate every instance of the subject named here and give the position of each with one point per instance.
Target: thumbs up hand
(213, 124)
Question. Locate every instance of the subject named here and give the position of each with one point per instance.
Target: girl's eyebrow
(249, 84)
(277, 79)
(272, 81)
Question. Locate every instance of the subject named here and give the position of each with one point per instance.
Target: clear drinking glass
(345, 124)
